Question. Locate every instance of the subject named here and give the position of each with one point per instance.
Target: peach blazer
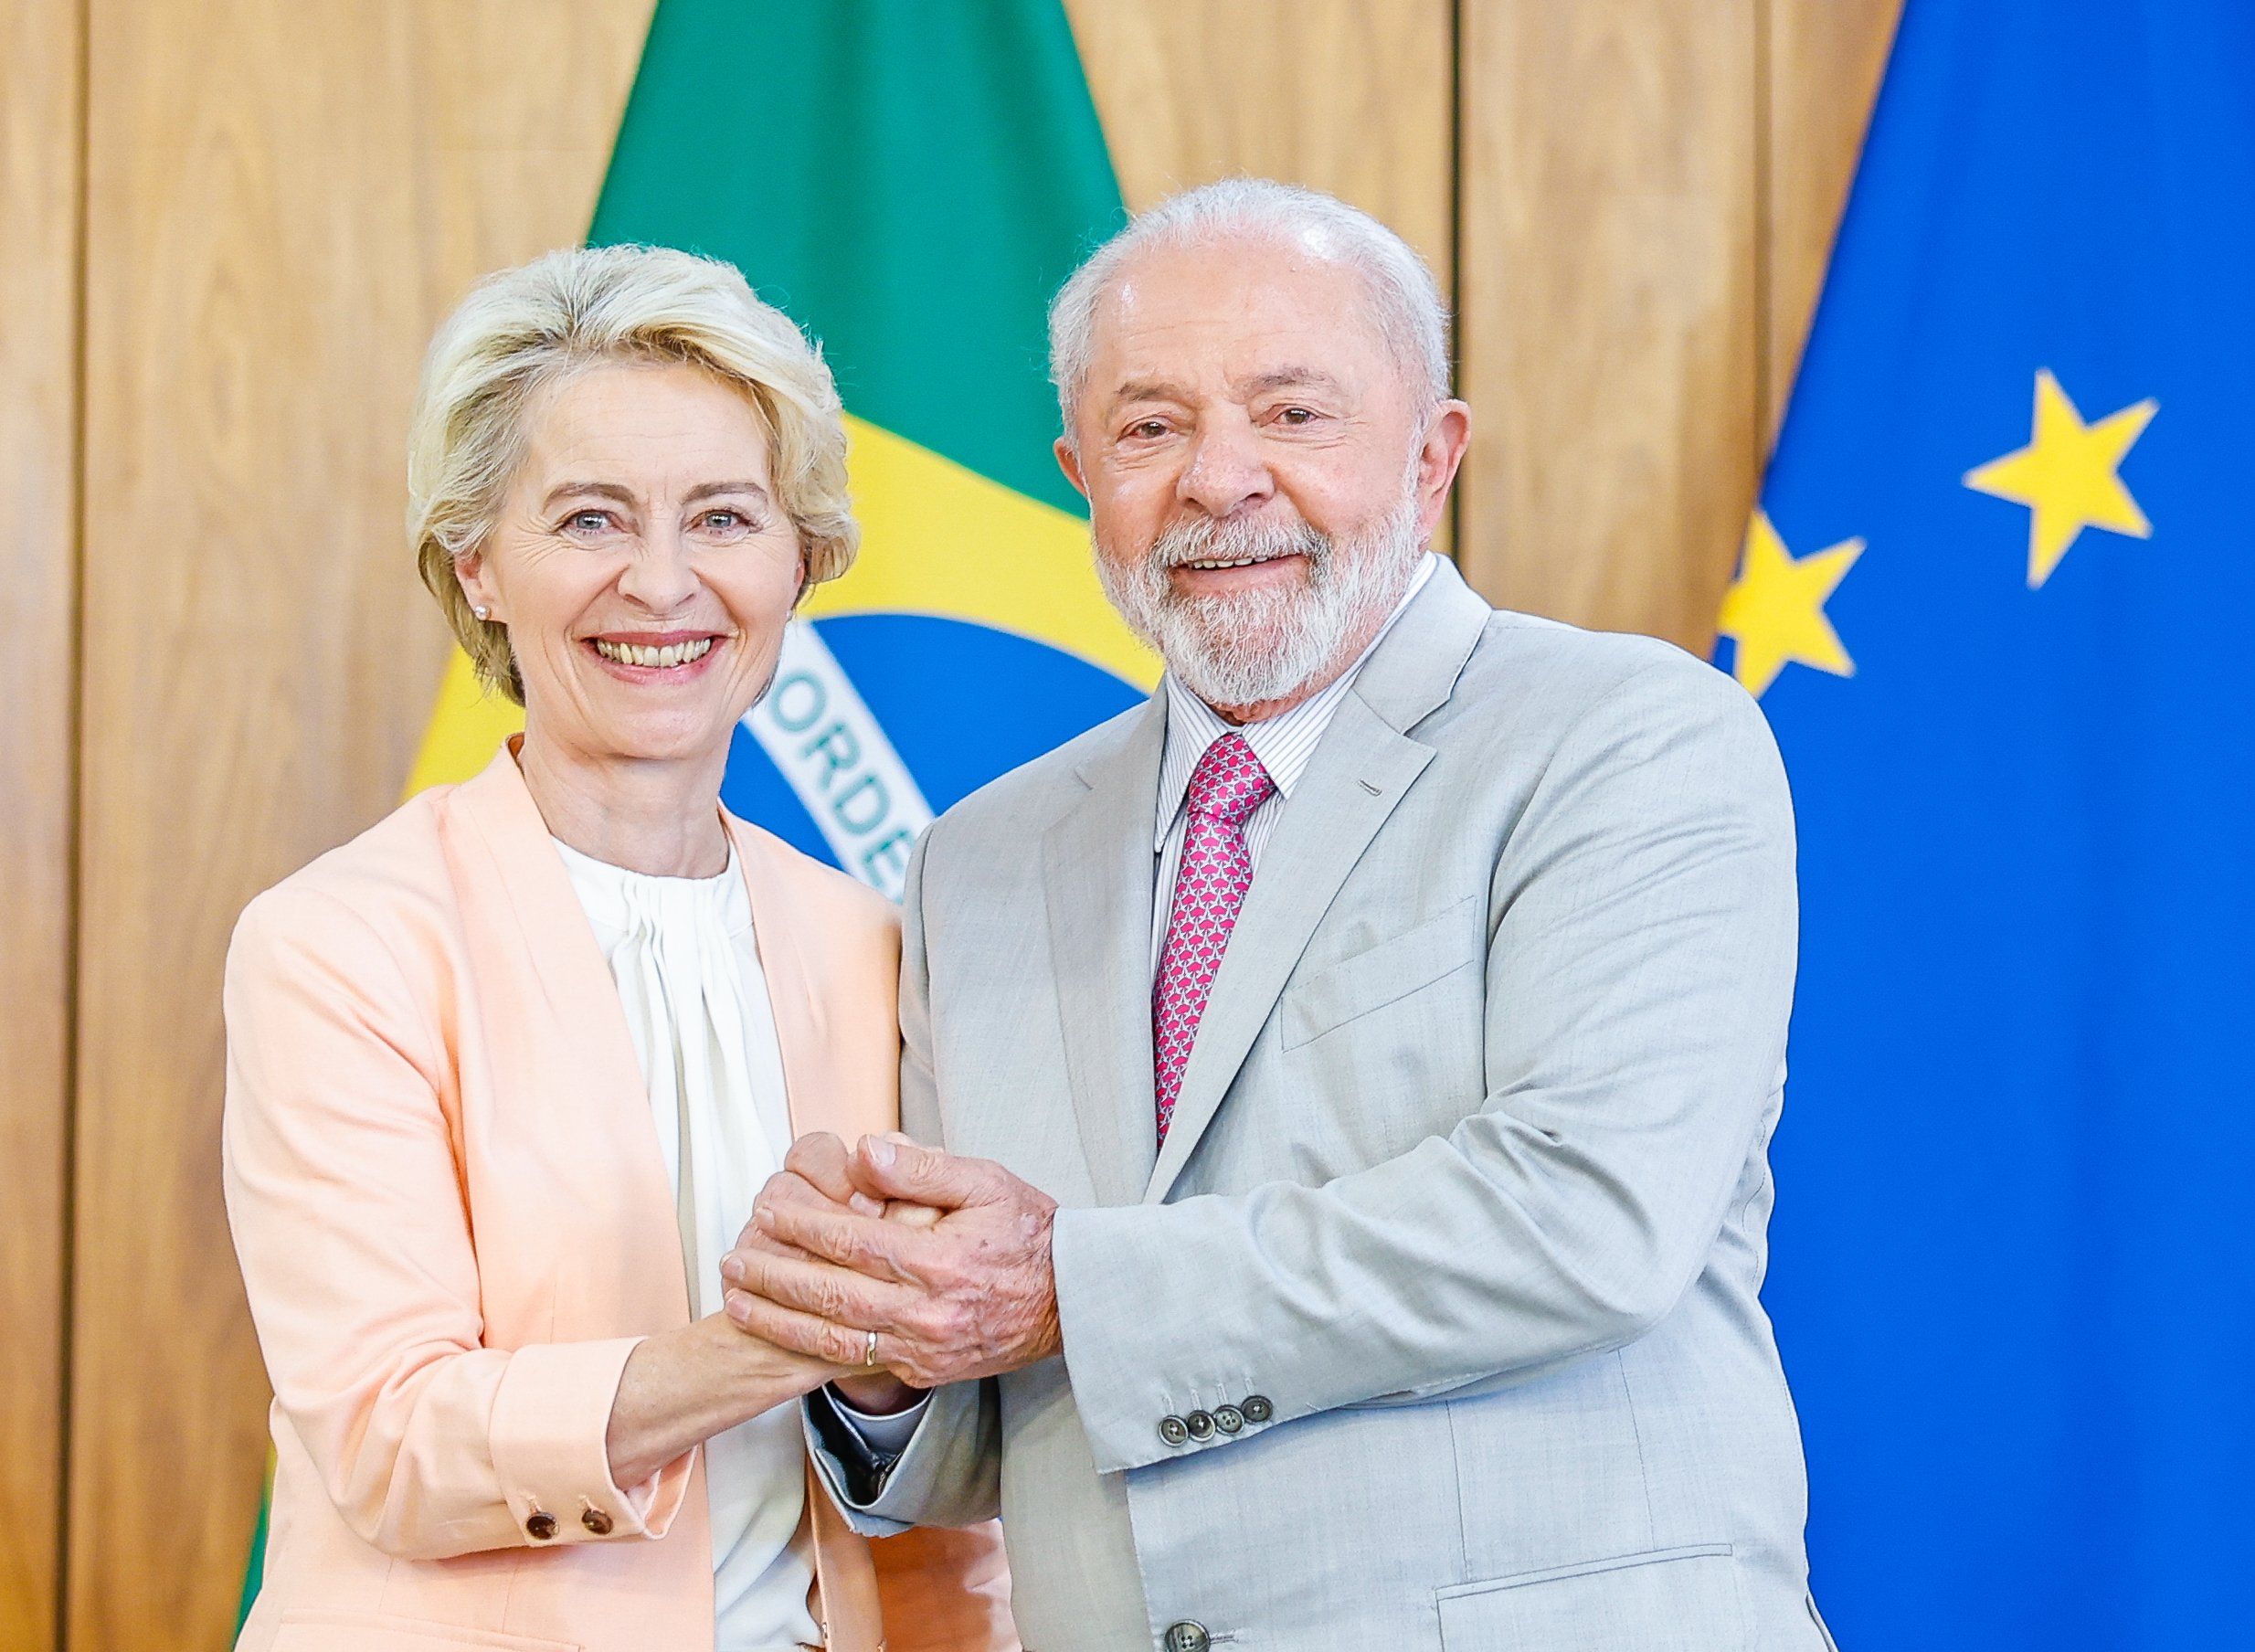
(454, 1224)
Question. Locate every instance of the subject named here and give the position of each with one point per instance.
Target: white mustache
(1207, 540)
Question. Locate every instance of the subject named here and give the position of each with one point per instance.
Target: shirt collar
(1285, 743)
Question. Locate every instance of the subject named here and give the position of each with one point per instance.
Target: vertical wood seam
(74, 746)
(1455, 255)
(1765, 242)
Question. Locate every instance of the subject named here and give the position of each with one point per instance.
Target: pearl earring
(482, 611)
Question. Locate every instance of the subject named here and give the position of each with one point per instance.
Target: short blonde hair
(524, 330)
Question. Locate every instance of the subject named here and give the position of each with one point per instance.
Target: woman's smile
(676, 656)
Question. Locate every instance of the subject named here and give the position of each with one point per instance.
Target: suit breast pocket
(1665, 1600)
(1383, 974)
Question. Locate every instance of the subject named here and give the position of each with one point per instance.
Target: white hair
(1404, 300)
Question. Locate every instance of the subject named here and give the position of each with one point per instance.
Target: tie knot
(1229, 782)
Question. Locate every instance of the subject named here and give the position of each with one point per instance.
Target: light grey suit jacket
(1435, 1324)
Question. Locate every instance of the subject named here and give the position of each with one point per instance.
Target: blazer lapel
(798, 1022)
(522, 913)
(1097, 871)
(1361, 771)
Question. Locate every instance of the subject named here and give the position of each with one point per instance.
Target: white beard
(1268, 644)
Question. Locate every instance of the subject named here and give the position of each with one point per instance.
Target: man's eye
(1296, 415)
(1147, 429)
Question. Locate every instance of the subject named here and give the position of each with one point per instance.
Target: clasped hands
(944, 1258)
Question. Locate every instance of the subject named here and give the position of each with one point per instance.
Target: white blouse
(681, 953)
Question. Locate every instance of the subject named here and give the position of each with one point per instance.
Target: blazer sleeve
(347, 1206)
(1639, 976)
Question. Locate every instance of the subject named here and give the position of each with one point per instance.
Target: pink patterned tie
(1226, 786)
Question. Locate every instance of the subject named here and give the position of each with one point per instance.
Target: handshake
(891, 1255)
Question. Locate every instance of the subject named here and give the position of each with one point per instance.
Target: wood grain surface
(1350, 96)
(284, 196)
(39, 202)
(1823, 62)
(1648, 192)
(1610, 340)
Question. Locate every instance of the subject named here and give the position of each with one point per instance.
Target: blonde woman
(506, 1073)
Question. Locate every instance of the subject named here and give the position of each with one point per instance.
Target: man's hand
(970, 1295)
(818, 1171)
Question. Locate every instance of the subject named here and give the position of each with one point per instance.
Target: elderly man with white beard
(1345, 1081)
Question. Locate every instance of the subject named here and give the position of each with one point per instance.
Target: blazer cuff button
(1174, 1430)
(540, 1525)
(597, 1521)
(1257, 1409)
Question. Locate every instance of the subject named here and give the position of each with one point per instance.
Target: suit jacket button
(597, 1521)
(541, 1525)
(1228, 1418)
(1188, 1637)
(1174, 1430)
(1257, 1409)
(1200, 1424)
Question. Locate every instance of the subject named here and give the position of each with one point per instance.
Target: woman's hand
(682, 1387)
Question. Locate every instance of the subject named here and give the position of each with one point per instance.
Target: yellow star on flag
(2066, 476)
(1774, 611)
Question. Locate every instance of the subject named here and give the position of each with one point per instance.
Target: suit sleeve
(347, 1207)
(1638, 981)
(949, 1472)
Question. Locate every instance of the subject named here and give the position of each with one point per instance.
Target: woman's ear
(469, 574)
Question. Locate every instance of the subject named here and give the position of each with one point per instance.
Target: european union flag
(1998, 605)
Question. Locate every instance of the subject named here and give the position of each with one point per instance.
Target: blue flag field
(1996, 603)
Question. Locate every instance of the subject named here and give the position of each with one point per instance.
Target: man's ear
(1438, 457)
(1069, 461)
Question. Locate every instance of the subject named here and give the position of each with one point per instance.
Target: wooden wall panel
(1351, 96)
(1610, 338)
(1824, 59)
(283, 197)
(39, 224)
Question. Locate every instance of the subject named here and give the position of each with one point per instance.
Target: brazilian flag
(910, 183)
(1997, 607)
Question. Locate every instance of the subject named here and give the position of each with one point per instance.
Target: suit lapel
(1098, 869)
(1359, 774)
(1361, 771)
